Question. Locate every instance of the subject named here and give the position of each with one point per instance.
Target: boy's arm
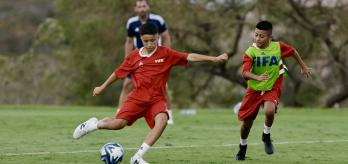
(247, 64)
(262, 77)
(119, 73)
(305, 71)
(193, 57)
(98, 90)
(287, 51)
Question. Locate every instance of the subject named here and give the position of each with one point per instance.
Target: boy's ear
(271, 37)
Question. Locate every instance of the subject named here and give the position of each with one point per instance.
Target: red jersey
(150, 74)
(286, 51)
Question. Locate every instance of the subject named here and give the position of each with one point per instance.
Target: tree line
(79, 46)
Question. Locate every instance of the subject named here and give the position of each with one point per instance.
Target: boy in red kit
(263, 69)
(150, 67)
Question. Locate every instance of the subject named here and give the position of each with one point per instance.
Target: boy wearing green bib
(264, 70)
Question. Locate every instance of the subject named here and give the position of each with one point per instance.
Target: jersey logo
(265, 60)
(159, 60)
(136, 29)
(141, 63)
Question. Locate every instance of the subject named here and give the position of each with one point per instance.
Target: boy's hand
(97, 91)
(221, 58)
(306, 71)
(263, 77)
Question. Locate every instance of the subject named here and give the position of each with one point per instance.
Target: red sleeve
(247, 64)
(178, 58)
(124, 69)
(286, 50)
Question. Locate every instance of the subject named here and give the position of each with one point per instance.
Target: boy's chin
(150, 49)
(260, 45)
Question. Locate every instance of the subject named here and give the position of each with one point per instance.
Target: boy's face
(149, 42)
(262, 38)
(141, 8)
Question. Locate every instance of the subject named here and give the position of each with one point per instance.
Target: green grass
(300, 136)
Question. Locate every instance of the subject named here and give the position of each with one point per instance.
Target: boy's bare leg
(269, 113)
(245, 128)
(111, 123)
(155, 133)
(93, 124)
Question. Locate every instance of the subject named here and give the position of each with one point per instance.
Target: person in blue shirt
(133, 41)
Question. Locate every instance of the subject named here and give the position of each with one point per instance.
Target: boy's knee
(161, 119)
(120, 123)
(270, 112)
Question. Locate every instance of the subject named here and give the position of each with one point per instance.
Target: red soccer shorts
(132, 111)
(254, 99)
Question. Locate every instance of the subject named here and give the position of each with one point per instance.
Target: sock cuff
(145, 146)
(265, 126)
(243, 141)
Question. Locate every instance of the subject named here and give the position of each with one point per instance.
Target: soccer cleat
(266, 138)
(240, 156)
(137, 160)
(85, 128)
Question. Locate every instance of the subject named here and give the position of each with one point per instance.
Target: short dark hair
(148, 28)
(265, 25)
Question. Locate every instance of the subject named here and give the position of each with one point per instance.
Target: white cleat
(85, 128)
(137, 160)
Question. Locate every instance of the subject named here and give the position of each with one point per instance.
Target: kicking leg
(266, 135)
(93, 124)
(111, 123)
(160, 124)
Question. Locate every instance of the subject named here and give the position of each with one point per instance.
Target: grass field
(43, 134)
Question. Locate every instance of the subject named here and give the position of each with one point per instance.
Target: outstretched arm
(193, 57)
(305, 71)
(98, 90)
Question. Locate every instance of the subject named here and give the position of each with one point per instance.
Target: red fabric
(253, 100)
(247, 64)
(132, 111)
(150, 74)
(286, 50)
(149, 77)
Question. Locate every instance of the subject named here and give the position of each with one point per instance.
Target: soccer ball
(111, 153)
